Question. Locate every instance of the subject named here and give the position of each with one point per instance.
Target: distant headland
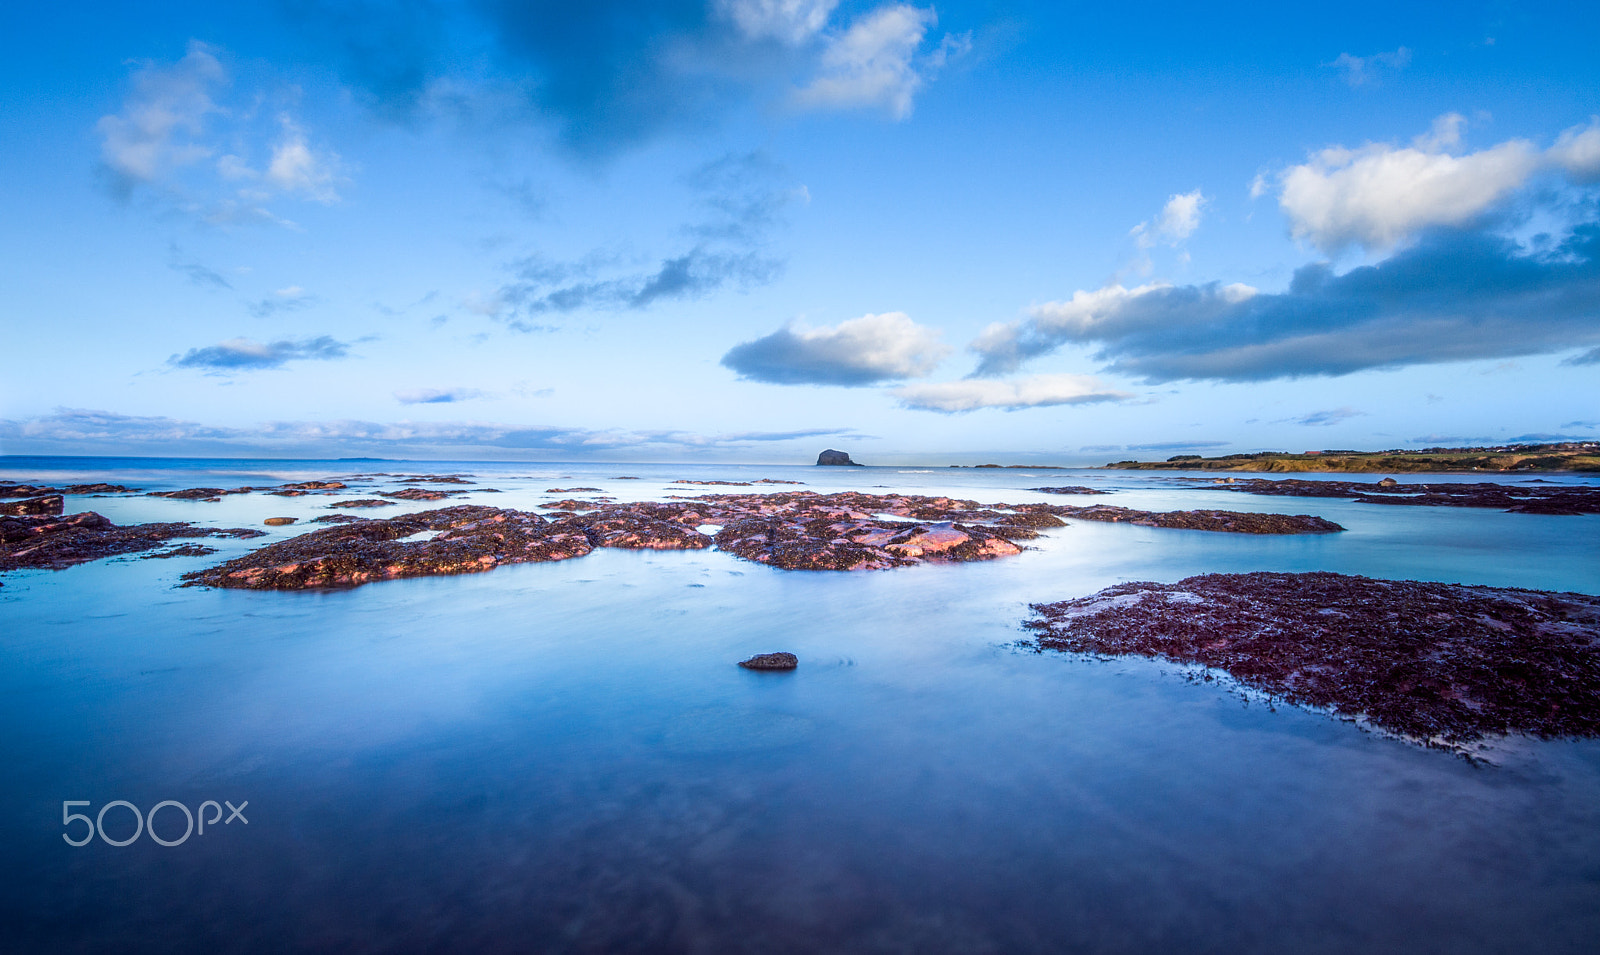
(1566, 456)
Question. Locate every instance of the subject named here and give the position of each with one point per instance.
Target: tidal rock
(1442, 664)
(771, 661)
(279, 521)
(35, 507)
(182, 550)
(789, 530)
(1073, 489)
(8, 489)
(56, 542)
(418, 494)
(363, 502)
(1234, 522)
(634, 532)
(100, 489)
(1516, 499)
(837, 458)
(455, 540)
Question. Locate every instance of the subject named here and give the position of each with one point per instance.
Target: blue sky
(749, 229)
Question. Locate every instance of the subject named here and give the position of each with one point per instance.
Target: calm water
(564, 757)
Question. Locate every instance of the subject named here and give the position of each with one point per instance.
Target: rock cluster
(452, 540)
(10, 489)
(1547, 499)
(1442, 664)
(791, 530)
(1072, 489)
(54, 542)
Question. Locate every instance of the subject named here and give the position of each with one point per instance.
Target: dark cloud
(387, 50)
(740, 196)
(436, 396)
(1452, 297)
(242, 354)
(1590, 357)
(604, 74)
(197, 273)
(862, 351)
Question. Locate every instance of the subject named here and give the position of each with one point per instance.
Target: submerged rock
(771, 661)
(1442, 664)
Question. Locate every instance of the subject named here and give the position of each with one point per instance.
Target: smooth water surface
(564, 756)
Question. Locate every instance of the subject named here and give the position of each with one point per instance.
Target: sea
(565, 757)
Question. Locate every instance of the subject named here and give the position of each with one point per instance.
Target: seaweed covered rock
(1563, 499)
(54, 542)
(454, 540)
(1443, 664)
(35, 507)
(771, 661)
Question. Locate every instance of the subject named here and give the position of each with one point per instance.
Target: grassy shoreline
(1567, 456)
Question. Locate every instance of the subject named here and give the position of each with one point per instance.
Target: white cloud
(1361, 70)
(1038, 391)
(861, 351)
(1177, 221)
(296, 169)
(872, 63)
(1577, 150)
(1379, 195)
(172, 124)
(161, 119)
(787, 21)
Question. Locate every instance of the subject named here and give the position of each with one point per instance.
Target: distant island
(1566, 456)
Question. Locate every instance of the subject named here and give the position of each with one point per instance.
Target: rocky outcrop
(56, 542)
(279, 521)
(1073, 489)
(1442, 664)
(35, 507)
(790, 530)
(771, 661)
(831, 457)
(1515, 499)
(418, 494)
(453, 540)
(1234, 522)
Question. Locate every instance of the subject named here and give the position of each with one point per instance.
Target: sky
(748, 230)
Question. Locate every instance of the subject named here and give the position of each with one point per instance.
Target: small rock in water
(279, 521)
(771, 661)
